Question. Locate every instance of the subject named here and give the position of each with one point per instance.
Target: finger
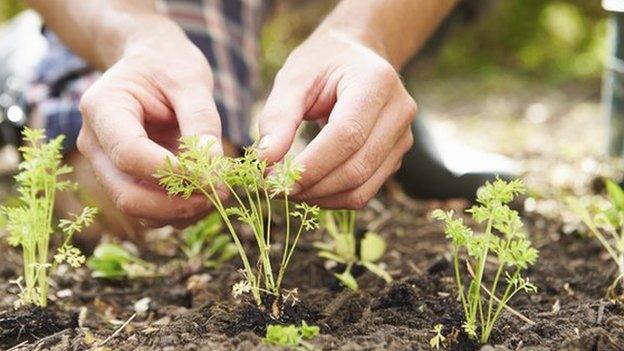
(138, 199)
(290, 98)
(115, 118)
(390, 138)
(360, 168)
(196, 112)
(359, 197)
(348, 128)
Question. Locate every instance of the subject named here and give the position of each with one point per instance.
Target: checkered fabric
(226, 31)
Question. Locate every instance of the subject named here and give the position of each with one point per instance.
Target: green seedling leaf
(309, 331)
(372, 248)
(112, 261)
(347, 279)
(378, 271)
(616, 195)
(291, 335)
(331, 256)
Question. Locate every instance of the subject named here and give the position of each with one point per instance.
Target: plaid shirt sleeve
(226, 31)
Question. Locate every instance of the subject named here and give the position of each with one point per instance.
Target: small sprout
(341, 247)
(29, 224)
(291, 335)
(438, 339)
(503, 237)
(112, 261)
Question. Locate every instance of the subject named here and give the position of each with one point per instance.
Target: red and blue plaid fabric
(226, 31)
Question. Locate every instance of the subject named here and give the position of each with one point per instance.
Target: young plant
(504, 238)
(253, 190)
(112, 261)
(342, 247)
(606, 223)
(438, 339)
(292, 336)
(30, 225)
(205, 243)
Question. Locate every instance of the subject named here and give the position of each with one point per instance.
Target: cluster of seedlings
(259, 196)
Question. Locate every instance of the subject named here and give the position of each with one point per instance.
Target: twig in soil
(118, 330)
(18, 346)
(506, 307)
(49, 339)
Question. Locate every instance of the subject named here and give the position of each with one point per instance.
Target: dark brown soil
(33, 324)
(569, 310)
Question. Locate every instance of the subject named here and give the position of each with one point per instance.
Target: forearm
(395, 29)
(101, 31)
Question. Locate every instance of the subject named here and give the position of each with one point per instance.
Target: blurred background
(519, 77)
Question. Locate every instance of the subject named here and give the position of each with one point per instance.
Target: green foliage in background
(550, 39)
(9, 8)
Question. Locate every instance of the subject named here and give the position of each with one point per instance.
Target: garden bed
(189, 311)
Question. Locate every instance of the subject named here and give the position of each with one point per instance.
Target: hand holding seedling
(345, 77)
(156, 88)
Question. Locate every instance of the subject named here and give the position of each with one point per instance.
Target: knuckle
(385, 73)
(119, 155)
(411, 110)
(87, 103)
(357, 200)
(125, 204)
(358, 173)
(353, 135)
(407, 142)
(82, 144)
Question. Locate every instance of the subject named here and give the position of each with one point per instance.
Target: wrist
(129, 33)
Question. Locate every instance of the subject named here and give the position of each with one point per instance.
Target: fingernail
(264, 142)
(210, 141)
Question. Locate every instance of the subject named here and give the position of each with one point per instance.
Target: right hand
(133, 116)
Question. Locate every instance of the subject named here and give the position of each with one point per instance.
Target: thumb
(281, 116)
(196, 113)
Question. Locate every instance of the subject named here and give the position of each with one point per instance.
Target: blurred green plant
(291, 335)
(9, 8)
(342, 247)
(113, 261)
(205, 242)
(556, 40)
(30, 224)
(606, 224)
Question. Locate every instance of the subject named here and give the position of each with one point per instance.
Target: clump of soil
(32, 324)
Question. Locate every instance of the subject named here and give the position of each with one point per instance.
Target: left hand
(365, 113)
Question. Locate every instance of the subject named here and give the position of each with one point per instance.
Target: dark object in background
(613, 80)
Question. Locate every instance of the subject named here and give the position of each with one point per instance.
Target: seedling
(606, 223)
(253, 190)
(342, 247)
(112, 261)
(438, 339)
(292, 336)
(504, 237)
(30, 225)
(205, 242)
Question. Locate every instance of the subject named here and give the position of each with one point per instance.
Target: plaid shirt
(226, 31)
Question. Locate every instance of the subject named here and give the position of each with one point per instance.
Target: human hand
(133, 116)
(364, 110)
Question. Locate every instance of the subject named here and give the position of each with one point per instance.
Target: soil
(569, 311)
